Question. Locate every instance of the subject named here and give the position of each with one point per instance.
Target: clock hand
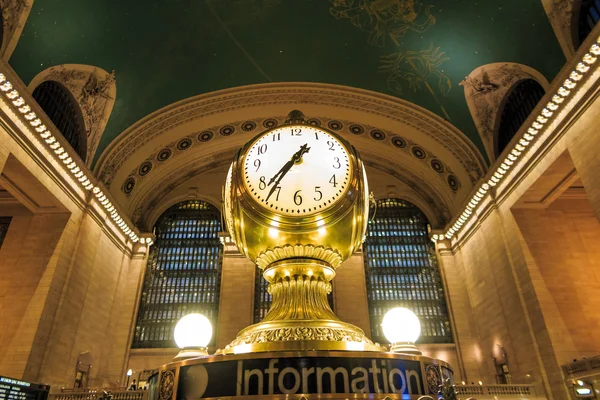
(297, 157)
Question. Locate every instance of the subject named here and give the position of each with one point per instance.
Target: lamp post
(129, 373)
(192, 335)
(402, 328)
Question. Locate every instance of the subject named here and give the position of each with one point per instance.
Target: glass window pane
(401, 270)
(183, 274)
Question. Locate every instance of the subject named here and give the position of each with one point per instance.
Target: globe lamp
(402, 328)
(192, 335)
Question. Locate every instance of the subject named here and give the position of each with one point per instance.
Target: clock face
(297, 170)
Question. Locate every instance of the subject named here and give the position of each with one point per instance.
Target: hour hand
(277, 177)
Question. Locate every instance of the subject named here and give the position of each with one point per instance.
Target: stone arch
(63, 110)
(180, 198)
(486, 90)
(167, 151)
(93, 89)
(14, 16)
(562, 15)
(503, 133)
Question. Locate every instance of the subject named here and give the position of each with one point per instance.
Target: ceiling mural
(166, 51)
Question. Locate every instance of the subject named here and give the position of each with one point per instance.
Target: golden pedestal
(300, 317)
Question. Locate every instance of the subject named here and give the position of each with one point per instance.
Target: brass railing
(99, 395)
(485, 391)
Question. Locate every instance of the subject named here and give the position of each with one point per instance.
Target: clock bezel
(257, 211)
(345, 147)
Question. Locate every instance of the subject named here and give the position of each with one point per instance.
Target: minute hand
(286, 167)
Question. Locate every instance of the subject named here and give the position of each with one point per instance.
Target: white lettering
(247, 375)
(386, 388)
(282, 374)
(395, 389)
(413, 374)
(238, 389)
(365, 380)
(271, 371)
(306, 372)
(332, 374)
(375, 371)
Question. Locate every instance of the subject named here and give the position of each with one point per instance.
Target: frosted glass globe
(401, 325)
(193, 330)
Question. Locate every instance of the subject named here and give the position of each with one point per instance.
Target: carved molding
(485, 91)
(94, 90)
(270, 256)
(14, 16)
(163, 155)
(289, 95)
(300, 333)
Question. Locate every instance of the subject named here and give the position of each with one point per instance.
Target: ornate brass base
(300, 317)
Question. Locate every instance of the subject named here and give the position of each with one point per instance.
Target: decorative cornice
(542, 121)
(230, 100)
(160, 158)
(51, 142)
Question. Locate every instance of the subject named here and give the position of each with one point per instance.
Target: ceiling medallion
(437, 166)
(270, 123)
(399, 142)
(356, 129)
(377, 134)
(418, 152)
(227, 130)
(184, 144)
(164, 154)
(145, 168)
(334, 125)
(128, 185)
(453, 182)
(205, 136)
(248, 126)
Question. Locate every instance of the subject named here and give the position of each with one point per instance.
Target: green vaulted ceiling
(168, 50)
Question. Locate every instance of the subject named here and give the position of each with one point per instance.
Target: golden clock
(296, 203)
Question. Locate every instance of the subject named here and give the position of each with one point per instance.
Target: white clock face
(297, 170)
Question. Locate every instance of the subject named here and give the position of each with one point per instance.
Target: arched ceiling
(166, 51)
(411, 151)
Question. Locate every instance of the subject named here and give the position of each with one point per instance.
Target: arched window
(520, 103)
(401, 270)
(63, 110)
(263, 299)
(183, 274)
(589, 15)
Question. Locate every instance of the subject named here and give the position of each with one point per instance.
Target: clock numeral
(262, 149)
(320, 193)
(330, 144)
(278, 189)
(316, 135)
(262, 185)
(337, 160)
(296, 132)
(257, 164)
(333, 181)
(297, 198)
(278, 136)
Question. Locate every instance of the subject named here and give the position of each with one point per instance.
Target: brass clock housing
(298, 256)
